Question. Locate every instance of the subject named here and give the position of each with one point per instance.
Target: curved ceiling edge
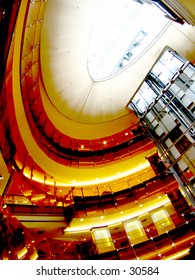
(84, 130)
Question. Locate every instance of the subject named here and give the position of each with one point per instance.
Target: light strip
(96, 181)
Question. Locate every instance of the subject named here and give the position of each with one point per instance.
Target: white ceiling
(64, 45)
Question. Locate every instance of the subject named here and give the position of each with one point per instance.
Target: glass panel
(127, 254)
(135, 231)
(162, 221)
(148, 225)
(119, 236)
(145, 250)
(102, 239)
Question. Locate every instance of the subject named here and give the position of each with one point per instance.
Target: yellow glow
(102, 240)
(162, 220)
(106, 179)
(178, 255)
(38, 197)
(34, 256)
(101, 234)
(22, 252)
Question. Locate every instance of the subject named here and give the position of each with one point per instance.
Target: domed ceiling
(78, 36)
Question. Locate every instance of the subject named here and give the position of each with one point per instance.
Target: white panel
(175, 152)
(186, 101)
(159, 131)
(182, 165)
(174, 88)
(189, 71)
(180, 94)
(168, 143)
(150, 118)
(190, 94)
(192, 87)
(168, 122)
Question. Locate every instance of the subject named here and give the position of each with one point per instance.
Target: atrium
(97, 118)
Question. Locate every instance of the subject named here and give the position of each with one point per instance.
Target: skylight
(123, 30)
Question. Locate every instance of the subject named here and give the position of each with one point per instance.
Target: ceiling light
(115, 43)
